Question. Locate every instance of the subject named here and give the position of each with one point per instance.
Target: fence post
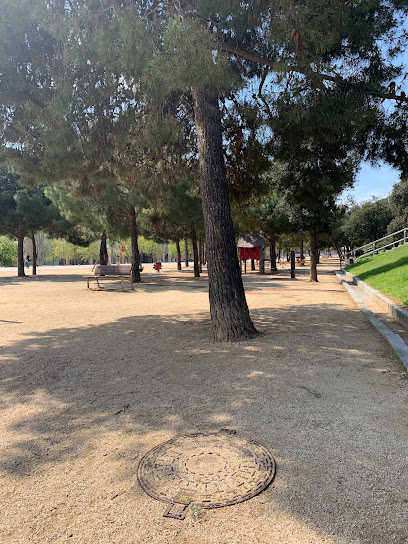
(405, 236)
(373, 249)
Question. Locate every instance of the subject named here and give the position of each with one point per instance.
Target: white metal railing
(394, 239)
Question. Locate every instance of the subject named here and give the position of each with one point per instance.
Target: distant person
(27, 261)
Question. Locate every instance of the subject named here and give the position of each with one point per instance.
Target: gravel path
(92, 380)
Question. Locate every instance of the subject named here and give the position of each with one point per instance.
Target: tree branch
(278, 65)
(392, 96)
(266, 70)
(231, 48)
(10, 229)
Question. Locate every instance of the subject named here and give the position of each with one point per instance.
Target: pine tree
(114, 61)
(24, 211)
(175, 213)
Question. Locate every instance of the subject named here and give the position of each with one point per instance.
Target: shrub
(8, 252)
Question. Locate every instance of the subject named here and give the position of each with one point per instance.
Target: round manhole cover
(208, 469)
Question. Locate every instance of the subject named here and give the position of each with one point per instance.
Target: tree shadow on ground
(142, 376)
(57, 278)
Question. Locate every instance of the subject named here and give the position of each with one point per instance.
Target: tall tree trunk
(135, 270)
(34, 253)
(186, 252)
(103, 250)
(200, 254)
(301, 249)
(252, 264)
(20, 249)
(313, 255)
(228, 307)
(178, 254)
(273, 249)
(195, 253)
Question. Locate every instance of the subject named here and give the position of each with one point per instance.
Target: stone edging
(395, 311)
(400, 347)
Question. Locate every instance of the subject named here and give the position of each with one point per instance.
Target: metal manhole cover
(210, 470)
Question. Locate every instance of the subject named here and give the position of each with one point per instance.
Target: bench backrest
(113, 269)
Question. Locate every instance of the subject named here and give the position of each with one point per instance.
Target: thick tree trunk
(252, 264)
(195, 253)
(313, 255)
(34, 253)
(103, 250)
(273, 249)
(20, 249)
(186, 252)
(229, 311)
(178, 254)
(134, 245)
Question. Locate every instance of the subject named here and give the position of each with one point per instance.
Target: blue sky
(373, 181)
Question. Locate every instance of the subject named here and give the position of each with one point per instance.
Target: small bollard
(292, 264)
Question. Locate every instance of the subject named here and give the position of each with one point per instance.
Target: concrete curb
(393, 339)
(395, 311)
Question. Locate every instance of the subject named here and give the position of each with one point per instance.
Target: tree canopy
(399, 206)
(368, 222)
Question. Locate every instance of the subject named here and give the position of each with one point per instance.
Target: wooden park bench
(121, 272)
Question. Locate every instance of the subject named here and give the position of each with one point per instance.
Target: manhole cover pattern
(213, 469)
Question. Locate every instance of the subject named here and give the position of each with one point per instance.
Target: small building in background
(250, 247)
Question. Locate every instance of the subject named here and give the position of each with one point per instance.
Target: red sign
(246, 253)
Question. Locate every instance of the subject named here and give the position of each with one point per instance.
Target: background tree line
(376, 218)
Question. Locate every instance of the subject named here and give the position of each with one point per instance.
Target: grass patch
(387, 273)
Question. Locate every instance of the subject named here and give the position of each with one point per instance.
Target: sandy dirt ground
(92, 380)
